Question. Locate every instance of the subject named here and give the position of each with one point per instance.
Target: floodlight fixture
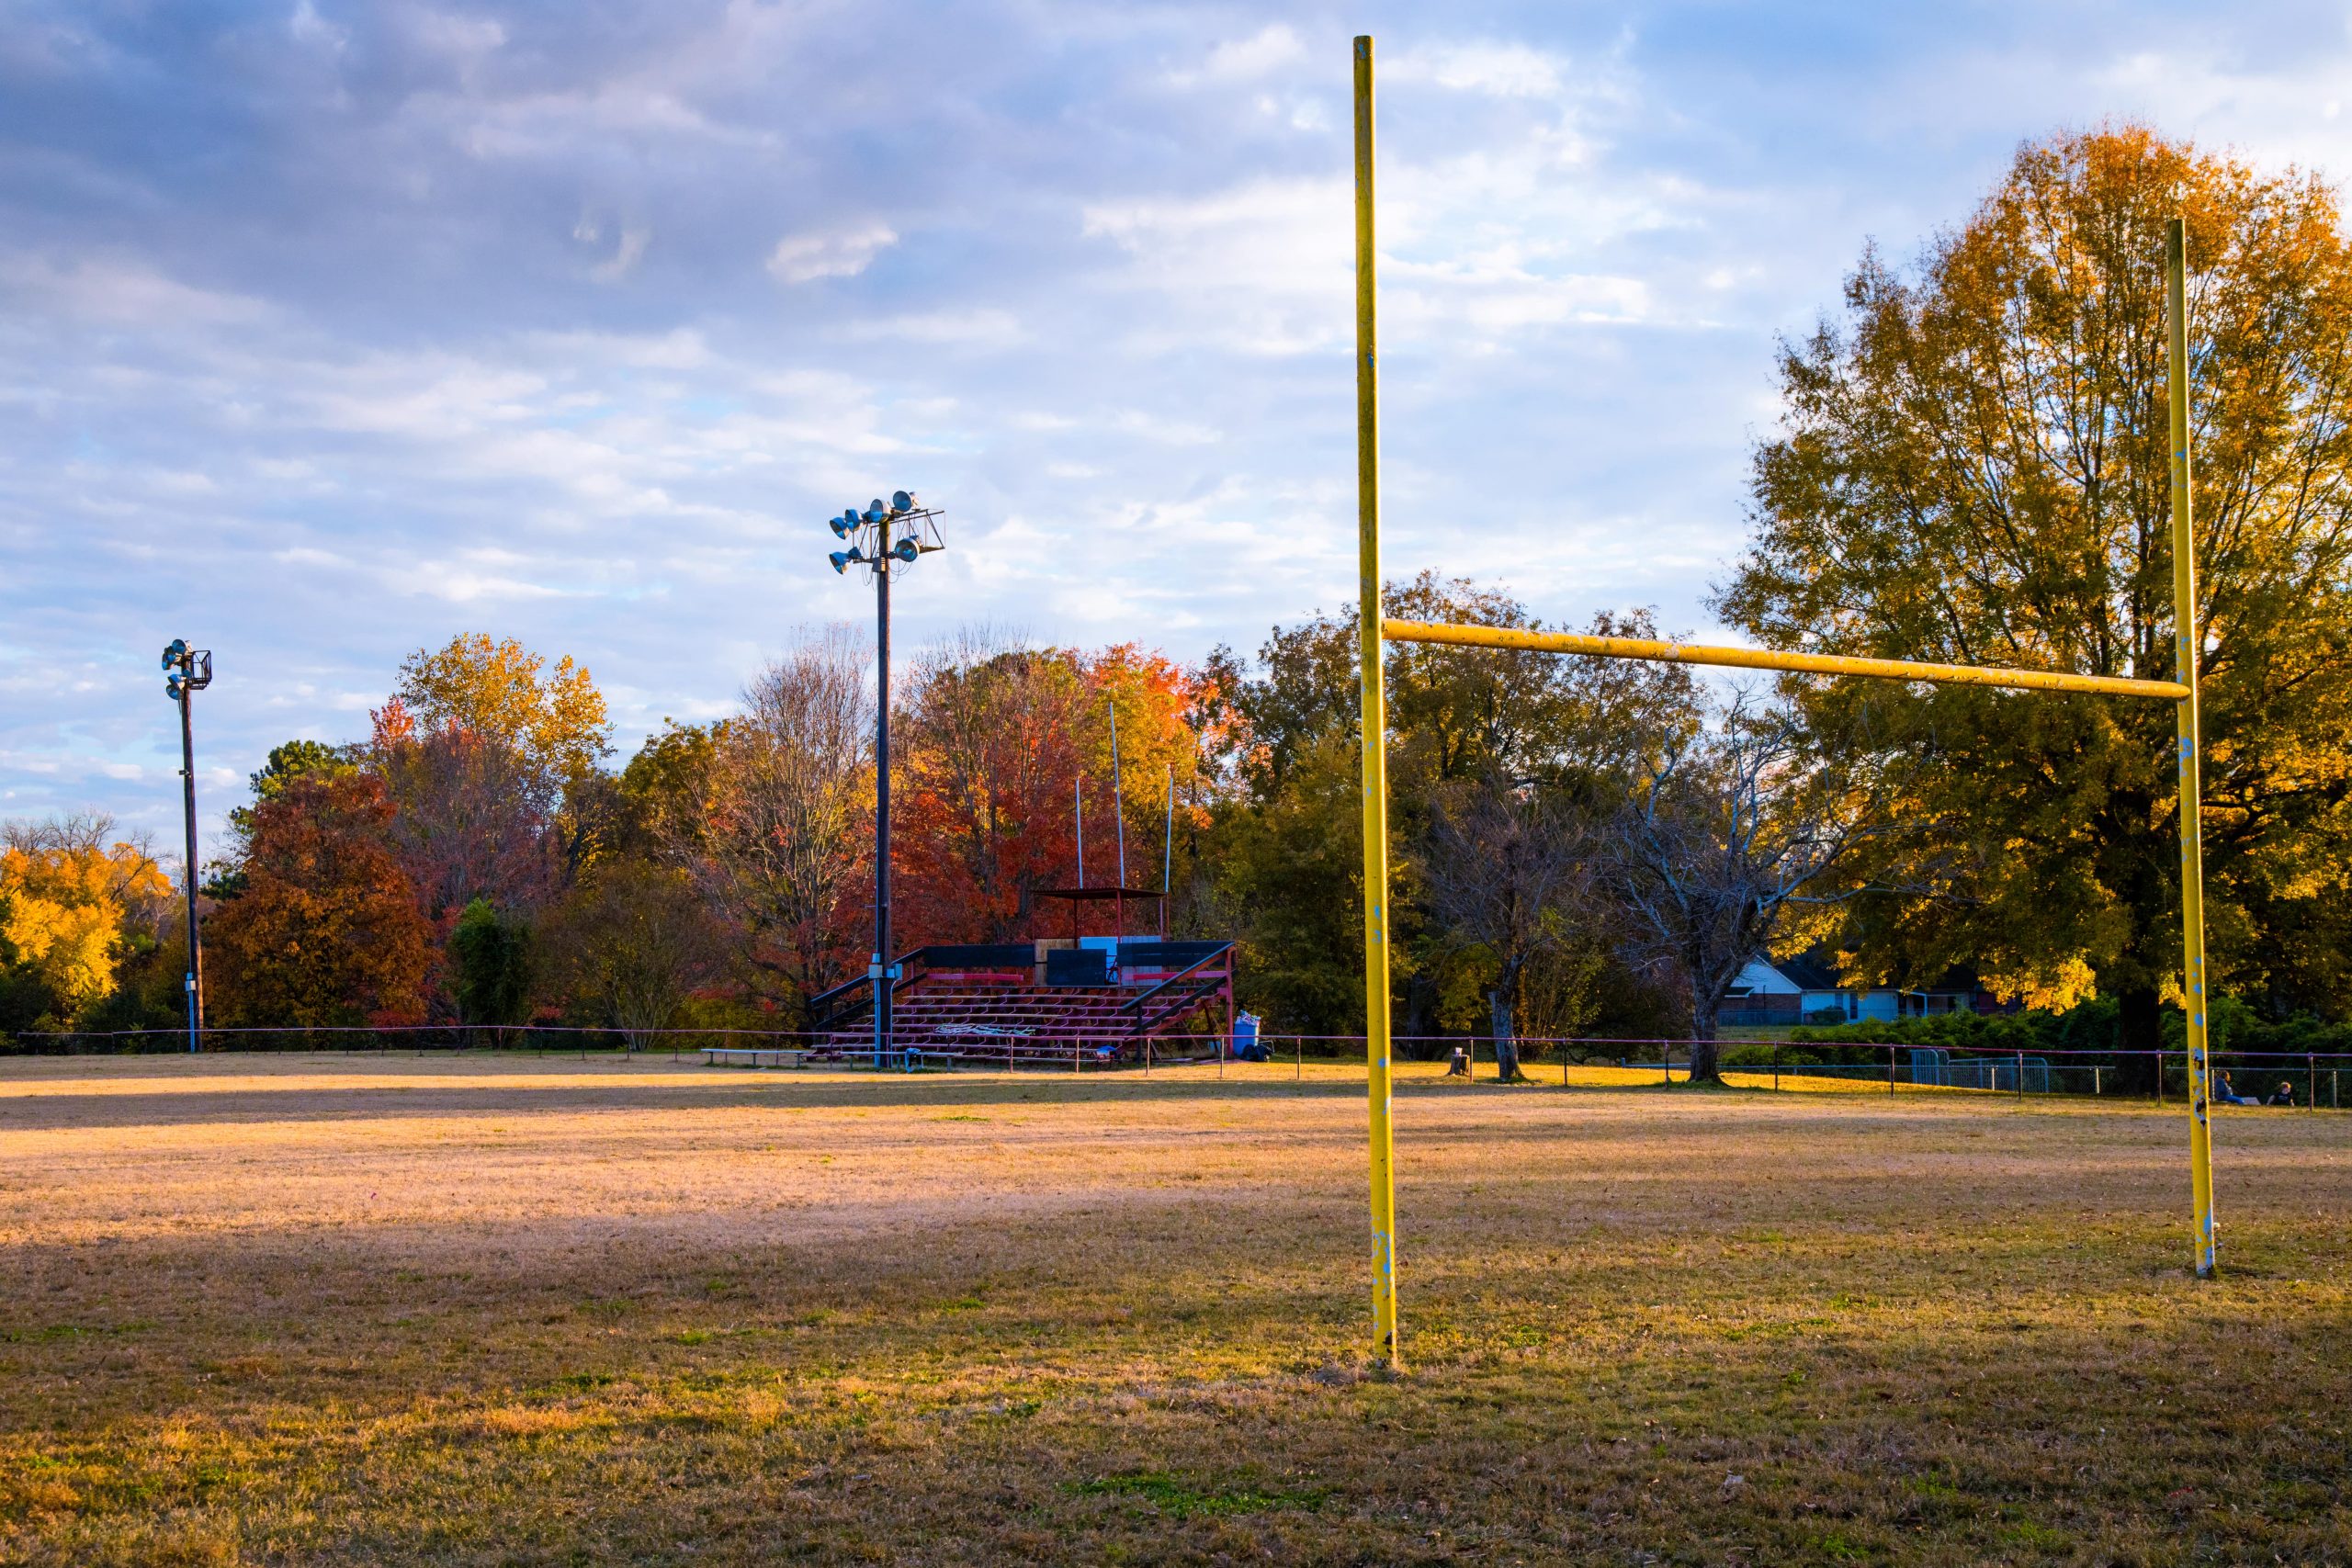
(902, 500)
(840, 559)
(839, 528)
(906, 550)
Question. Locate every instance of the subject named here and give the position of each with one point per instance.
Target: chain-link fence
(2308, 1079)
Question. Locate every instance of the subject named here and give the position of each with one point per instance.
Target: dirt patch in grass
(512, 1311)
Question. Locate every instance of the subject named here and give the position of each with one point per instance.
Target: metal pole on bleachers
(1118, 805)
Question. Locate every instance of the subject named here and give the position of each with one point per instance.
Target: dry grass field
(503, 1311)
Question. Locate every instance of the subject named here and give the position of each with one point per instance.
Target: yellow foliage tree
(1975, 469)
(499, 690)
(66, 897)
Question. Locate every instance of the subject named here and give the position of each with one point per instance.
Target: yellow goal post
(1373, 631)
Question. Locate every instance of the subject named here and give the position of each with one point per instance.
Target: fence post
(1147, 1056)
(1298, 1058)
(2310, 1079)
(1890, 1069)
(2095, 1090)
(1776, 1067)
(2020, 1078)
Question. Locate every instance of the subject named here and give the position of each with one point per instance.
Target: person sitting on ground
(2286, 1095)
(2228, 1093)
(1459, 1065)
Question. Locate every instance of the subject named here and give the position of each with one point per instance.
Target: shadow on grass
(1185, 1385)
(195, 1098)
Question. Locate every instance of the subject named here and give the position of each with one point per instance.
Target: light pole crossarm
(1767, 658)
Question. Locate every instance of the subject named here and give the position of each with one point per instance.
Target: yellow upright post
(2187, 645)
(1375, 745)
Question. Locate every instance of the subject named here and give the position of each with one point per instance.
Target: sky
(330, 331)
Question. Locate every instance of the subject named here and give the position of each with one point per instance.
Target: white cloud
(1247, 60)
(121, 290)
(462, 585)
(419, 407)
(974, 328)
(466, 39)
(623, 260)
(681, 348)
(1501, 69)
(804, 258)
(307, 26)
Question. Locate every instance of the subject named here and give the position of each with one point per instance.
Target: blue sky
(328, 330)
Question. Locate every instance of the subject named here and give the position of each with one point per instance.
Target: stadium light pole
(901, 530)
(187, 670)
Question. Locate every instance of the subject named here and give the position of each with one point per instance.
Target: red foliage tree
(475, 817)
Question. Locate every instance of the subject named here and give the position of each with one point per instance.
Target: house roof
(1807, 972)
(1812, 971)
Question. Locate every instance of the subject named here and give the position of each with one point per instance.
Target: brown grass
(507, 1311)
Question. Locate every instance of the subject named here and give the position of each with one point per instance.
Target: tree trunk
(2139, 1030)
(1506, 1042)
(1417, 1014)
(1706, 1056)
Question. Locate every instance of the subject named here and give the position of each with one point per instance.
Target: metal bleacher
(1026, 1005)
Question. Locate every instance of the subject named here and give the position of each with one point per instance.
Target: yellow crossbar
(1766, 659)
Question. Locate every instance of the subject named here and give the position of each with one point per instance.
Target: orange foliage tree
(995, 743)
(326, 929)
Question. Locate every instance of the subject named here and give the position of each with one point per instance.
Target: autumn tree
(553, 719)
(70, 892)
(767, 811)
(287, 762)
(1461, 719)
(661, 803)
(629, 943)
(1160, 749)
(326, 929)
(490, 714)
(1507, 874)
(1972, 466)
(474, 818)
(1733, 840)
